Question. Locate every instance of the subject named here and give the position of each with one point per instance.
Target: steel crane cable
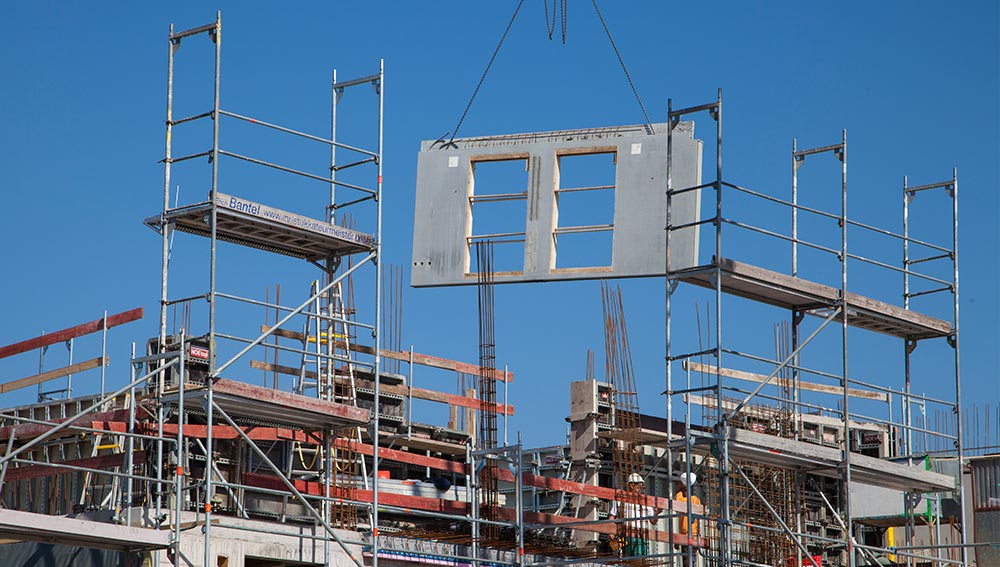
(649, 125)
(485, 72)
(550, 25)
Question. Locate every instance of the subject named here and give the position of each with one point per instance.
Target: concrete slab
(26, 526)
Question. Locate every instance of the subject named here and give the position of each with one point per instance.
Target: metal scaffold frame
(327, 259)
(311, 308)
(206, 404)
(725, 277)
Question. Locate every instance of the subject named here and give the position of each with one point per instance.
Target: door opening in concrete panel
(498, 207)
(583, 234)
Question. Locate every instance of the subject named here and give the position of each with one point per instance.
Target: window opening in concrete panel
(583, 249)
(591, 170)
(499, 176)
(585, 209)
(508, 254)
(498, 205)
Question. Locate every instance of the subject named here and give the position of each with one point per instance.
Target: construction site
(293, 429)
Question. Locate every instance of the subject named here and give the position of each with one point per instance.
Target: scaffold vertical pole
(216, 35)
(963, 534)
(667, 293)
(380, 88)
(165, 228)
(724, 521)
(130, 442)
(907, 347)
(519, 488)
(181, 464)
(845, 400)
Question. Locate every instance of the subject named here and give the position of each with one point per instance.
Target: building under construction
(194, 462)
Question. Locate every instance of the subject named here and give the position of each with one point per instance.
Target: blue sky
(83, 97)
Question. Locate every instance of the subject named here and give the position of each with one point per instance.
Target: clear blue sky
(82, 101)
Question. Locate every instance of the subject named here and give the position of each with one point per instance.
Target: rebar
(488, 487)
(631, 536)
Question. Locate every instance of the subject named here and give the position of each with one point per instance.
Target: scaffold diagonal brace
(787, 361)
(260, 453)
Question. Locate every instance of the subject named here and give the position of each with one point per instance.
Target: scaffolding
(323, 243)
(190, 447)
(732, 447)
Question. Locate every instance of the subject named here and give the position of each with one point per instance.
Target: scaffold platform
(259, 226)
(782, 290)
(275, 406)
(828, 461)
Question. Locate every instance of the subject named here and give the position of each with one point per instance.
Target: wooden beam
(404, 457)
(52, 374)
(25, 472)
(809, 386)
(421, 359)
(418, 393)
(445, 364)
(71, 333)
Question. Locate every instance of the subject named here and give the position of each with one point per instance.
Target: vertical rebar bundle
(626, 454)
(756, 535)
(392, 316)
(489, 502)
(339, 378)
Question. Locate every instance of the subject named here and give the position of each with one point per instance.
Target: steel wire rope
(649, 125)
(550, 28)
(485, 72)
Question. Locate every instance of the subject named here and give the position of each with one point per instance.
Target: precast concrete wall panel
(446, 199)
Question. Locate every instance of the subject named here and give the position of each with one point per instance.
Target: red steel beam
(71, 333)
